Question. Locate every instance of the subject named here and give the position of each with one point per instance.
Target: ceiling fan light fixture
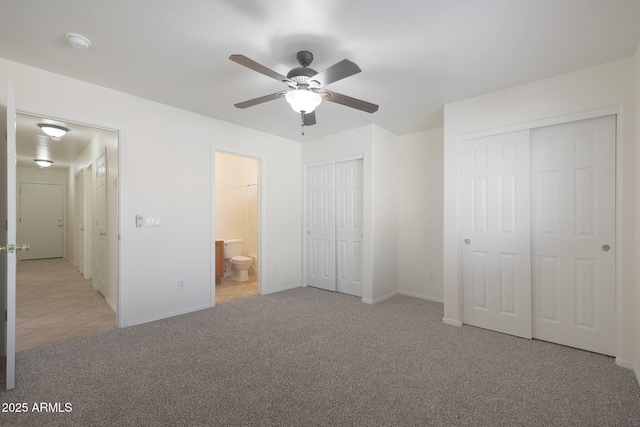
(54, 131)
(303, 100)
(43, 163)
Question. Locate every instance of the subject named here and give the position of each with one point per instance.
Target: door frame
(121, 314)
(615, 111)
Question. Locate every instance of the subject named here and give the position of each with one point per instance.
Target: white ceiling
(415, 55)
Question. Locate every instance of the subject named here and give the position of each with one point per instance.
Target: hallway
(54, 303)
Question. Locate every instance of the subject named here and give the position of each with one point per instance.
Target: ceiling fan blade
(309, 119)
(338, 71)
(250, 63)
(350, 102)
(256, 101)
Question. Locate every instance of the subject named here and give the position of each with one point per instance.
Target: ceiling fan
(307, 86)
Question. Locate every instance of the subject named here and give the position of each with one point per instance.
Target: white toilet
(240, 264)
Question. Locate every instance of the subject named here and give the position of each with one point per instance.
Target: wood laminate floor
(54, 303)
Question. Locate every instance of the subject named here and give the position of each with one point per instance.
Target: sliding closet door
(573, 234)
(495, 227)
(321, 227)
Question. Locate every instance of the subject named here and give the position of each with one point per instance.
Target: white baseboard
(451, 321)
(111, 305)
(624, 363)
(284, 288)
(377, 300)
(411, 294)
(166, 316)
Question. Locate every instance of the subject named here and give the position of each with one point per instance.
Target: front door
(42, 228)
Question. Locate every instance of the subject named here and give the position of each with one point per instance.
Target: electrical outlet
(422, 274)
(180, 285)
(432, 276)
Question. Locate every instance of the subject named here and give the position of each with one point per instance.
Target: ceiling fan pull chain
(302, 117)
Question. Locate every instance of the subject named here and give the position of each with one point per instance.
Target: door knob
(606, 248)
(11, 248)
(102, 233)
(467, 241)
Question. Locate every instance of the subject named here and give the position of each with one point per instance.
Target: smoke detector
(78, 40)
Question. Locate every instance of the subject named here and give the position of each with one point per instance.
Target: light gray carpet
(308, 357)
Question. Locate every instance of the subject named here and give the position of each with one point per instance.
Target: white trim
(212, 228)
(337, 160)
(377, 300)
(414, 295)
(608, 111)
(168, 315)
(284, 288)
(627, 365)
(451, 322)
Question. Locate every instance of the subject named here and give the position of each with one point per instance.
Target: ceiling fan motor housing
(302, 74)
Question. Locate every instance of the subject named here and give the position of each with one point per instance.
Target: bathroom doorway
(237, 207)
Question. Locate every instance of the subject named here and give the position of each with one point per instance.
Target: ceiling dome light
(78, 41)
(43, 163)
(54, 131)
(303, 100)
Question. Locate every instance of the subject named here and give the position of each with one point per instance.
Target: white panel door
(321, 229)
(349, 227)
(573, 234)
(79, 187)
(8, 237)
(42, 228)
(495, 228)
(99, 279)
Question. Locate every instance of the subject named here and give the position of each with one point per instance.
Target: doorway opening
(237, 219)
(67, 283)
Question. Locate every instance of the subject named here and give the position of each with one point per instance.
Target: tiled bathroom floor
(54, 302)
(229, 289)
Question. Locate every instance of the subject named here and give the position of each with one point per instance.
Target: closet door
(495, 228)
(349, 227)
(573, 234)
(321, 227)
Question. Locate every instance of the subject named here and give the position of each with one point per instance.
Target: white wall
(378, 150)
(385, 214)
(420, 198)
(165, 170)
(594, 88)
